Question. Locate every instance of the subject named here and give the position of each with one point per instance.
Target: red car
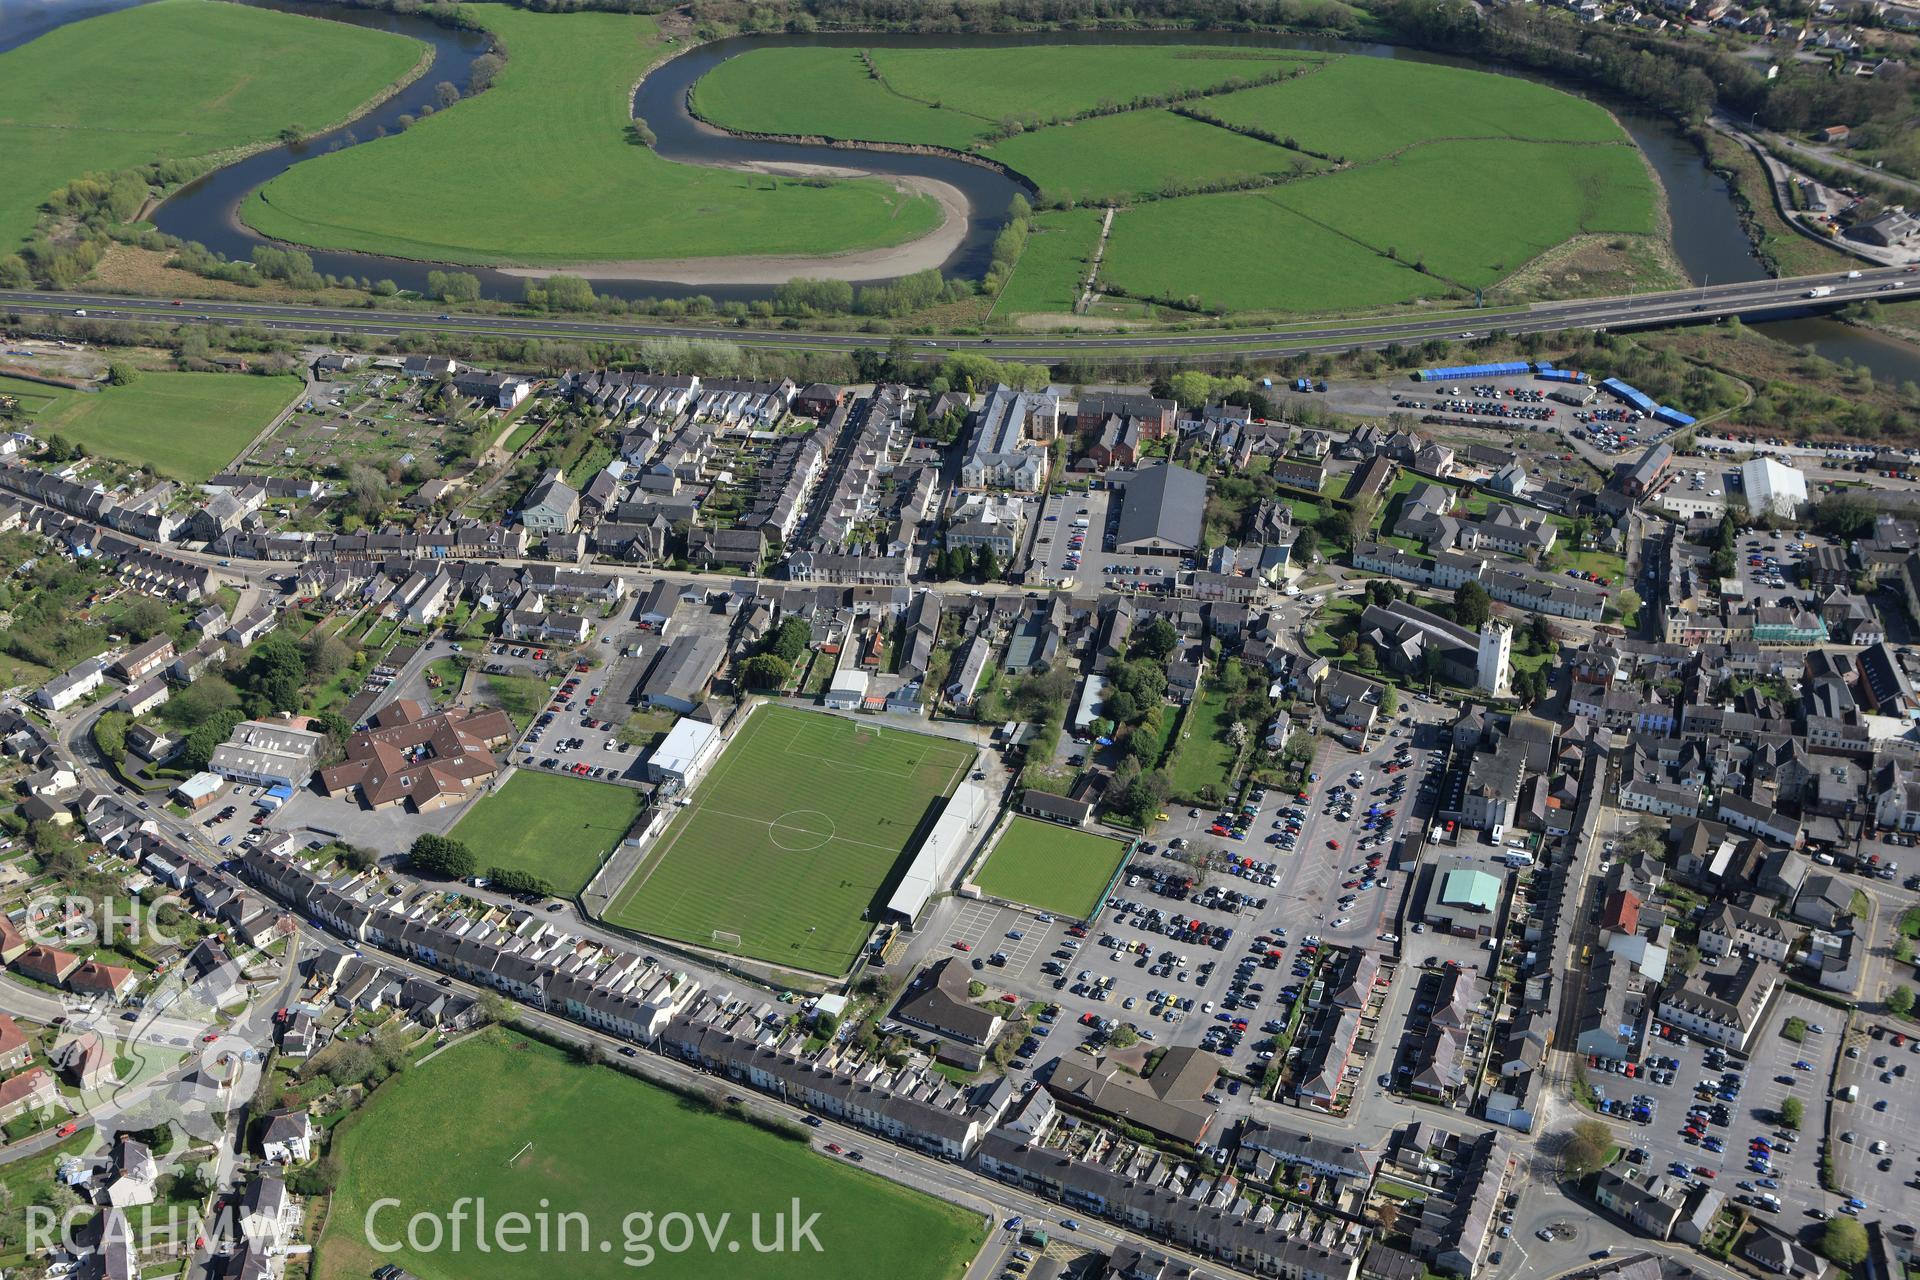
(963, 946)
(1701, 1171)
(834, 1147)
(66, 1130)
(1333, 844)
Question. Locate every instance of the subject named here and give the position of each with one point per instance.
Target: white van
(1497, 833)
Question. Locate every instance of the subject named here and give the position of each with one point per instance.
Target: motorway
(1713, 302)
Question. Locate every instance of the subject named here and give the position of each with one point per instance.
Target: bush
(1792, 1112)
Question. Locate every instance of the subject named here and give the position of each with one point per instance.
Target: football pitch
(798, 830)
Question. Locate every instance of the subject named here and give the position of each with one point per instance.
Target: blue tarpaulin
(1673, 417)
(1562, 375)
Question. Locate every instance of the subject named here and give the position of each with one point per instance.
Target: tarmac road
(1635, 311)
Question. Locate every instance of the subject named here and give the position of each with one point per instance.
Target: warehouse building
(1162, 510)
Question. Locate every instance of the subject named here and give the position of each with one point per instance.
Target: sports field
(1049, 866)
(559, 110)
(556, 827)
(174, 79)
(796, 832)
(185, 426)
(1353, 182)
(514, 1124)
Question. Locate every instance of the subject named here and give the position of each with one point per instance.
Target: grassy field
(184, 425)
(521, 697)
(1139, 153)
(514, 1123)
(795, 833)
(1050, 271)
(174, 79)
(1299, 267)
(1359, 109)
(1052, 867)
(955, 97)
(1426, 205)
(1383, 182)
(1203, 755)
(559, 111)
(556, 827)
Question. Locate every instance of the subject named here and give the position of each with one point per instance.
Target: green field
(1364, 108)
(1204, 755)
(170, 80)
(185, 426)
(955, 97)
(1138, 153)
(1375, 182)
(553, 826)
(1055, 262)
(511, 1122)
(1052, 867)
(1560, 192)
(521, 697)
(1299, 267)
(558, 114)
(797, 831)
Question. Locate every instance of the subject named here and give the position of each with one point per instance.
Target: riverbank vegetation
(540, 170)
(97, 114)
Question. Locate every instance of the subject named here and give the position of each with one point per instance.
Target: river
(1708, 239)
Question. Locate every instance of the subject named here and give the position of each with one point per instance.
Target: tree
(208, 734)
(1157, 640)
(1844, 1242)
(1471, 606)
(326, 654)
(765, 671)
(276, 673)
(1389, 700)
(953, 564)
(1792, 1113)
(1900, 1001)
(1626, 602)
(988, 565)
(1586, 1148)
(441, 858)
(1191, 387)
(145, 618)
(790, 640)
(1337, 526)
(121, 374)
(1306, 544)
(368, 489)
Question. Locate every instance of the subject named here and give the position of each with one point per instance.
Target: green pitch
(516, 1125)
(796, 832)
(1052, 867)
(550, 825)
